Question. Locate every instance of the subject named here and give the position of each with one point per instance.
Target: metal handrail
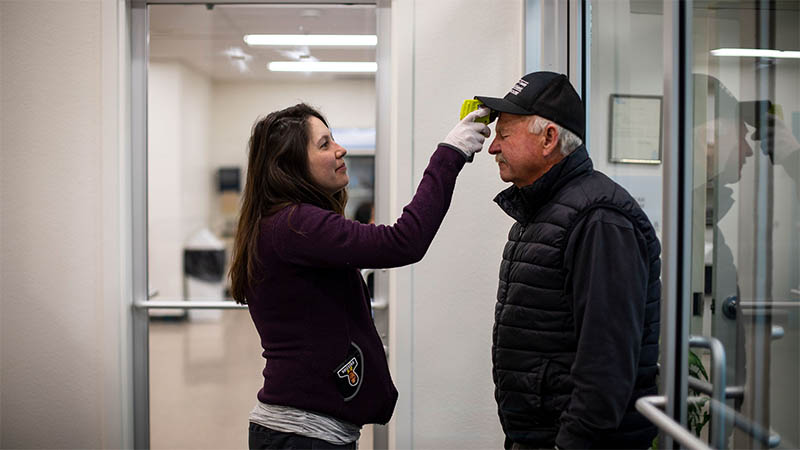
(708, 388)
(766, 437)
(649, 407)
(769, 305)
(222, 303)
(188, 304)
(376, 304)
(718, 391)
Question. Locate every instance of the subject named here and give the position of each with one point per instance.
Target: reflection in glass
(746, 172)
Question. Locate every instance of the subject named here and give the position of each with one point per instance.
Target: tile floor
(204, 376)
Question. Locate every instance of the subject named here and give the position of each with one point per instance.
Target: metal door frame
(676, 211)
(138, 21)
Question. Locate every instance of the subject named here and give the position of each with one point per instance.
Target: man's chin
(504, 176)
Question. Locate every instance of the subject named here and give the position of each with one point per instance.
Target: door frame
(137, 12)
(676, 211)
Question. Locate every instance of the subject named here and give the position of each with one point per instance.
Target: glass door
(199, 87)
(722, 192)
(744, 143)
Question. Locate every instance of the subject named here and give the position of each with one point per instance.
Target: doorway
(198, 88)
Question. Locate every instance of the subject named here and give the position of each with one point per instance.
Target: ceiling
(210, 39)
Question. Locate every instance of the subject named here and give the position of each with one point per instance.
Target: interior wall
(61, 253)
(626, 54)
(454, 287)
(235, 107)
(179, 175)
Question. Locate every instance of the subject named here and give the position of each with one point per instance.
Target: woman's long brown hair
(277, 176)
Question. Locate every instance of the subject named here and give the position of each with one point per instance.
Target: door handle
(767, 437)
(650, 406)
(720, 412)
(708, 388)
(376, 304)
(718, 390)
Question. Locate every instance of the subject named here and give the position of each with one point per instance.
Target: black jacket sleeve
(608, 281)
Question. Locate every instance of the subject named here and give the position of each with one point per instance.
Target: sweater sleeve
(311, 236)
(609, 285)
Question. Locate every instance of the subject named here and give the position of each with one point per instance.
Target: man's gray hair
(568, 141)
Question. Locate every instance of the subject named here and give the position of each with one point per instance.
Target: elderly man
(575, 339)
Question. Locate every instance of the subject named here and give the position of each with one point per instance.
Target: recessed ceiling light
(314, 13)
(322, 66)
(331, 40)
(238, 58)
(755, 53)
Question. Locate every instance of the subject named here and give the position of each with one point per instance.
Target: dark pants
(266, 438)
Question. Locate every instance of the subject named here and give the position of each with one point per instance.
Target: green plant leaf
(696, 365)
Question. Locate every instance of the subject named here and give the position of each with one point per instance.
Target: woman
(295, 263)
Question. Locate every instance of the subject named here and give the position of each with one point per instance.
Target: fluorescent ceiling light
(322, 66)
(331, 40)
(755, 53)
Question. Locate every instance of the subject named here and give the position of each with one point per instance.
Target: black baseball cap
(546, 94)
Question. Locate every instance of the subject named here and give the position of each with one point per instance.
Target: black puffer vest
(534, 336)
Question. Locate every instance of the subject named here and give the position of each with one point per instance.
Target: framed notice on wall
(635, 129)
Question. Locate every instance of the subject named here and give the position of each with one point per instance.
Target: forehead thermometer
(471, 105)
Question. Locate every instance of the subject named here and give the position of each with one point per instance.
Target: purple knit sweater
(312, 308)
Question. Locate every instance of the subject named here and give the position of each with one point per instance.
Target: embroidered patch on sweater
(350, 374)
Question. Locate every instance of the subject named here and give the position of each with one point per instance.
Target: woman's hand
(468, 136)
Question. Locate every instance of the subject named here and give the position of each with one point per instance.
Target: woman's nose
(341, 151)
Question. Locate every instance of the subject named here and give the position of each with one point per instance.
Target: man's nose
(495, 147)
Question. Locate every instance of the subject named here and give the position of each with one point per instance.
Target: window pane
(746, 129)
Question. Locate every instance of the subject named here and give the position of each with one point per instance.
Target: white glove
(468, 136)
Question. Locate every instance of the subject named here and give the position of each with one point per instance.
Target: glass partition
(206, 89)
(746, 115)
(744, 210)
(624, 80)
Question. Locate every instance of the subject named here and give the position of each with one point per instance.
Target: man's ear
(550, 140)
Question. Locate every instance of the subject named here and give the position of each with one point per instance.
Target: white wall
(236, 107)
(61, 249)
(442, 346)
(626, 54)
(179, 174)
